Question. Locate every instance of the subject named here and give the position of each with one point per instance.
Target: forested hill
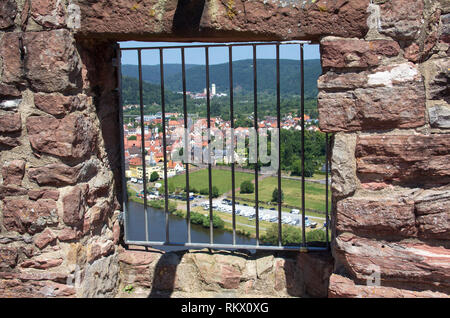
(242, 76)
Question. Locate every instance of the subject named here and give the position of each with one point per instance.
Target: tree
(247, 187)
(275, 195)
(154, 176)
(214, 192)
(310, 167)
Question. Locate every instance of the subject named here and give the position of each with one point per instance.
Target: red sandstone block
(11, 57)
(8, 11)
(10, 122)
(55, 174)
(403, 159)
(343, 287)
(384, 218)
(13, 172)
(355, 53)
(71, 137)
(26, 216)
(402, 264)
(51, 61)
(74, 205)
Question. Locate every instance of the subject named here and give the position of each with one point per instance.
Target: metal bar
(186, 145)
(326, 188)
(144, 173)
(255, 123)
(233, 181)
(163, 106)
(122, 146)
(302, 89)
(279, 144)
(214, 45)
(303, 246)
(226, 246)
(208, 115)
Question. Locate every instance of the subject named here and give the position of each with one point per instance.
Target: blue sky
(216, 55)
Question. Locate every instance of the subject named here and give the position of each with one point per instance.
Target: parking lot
(270, 215)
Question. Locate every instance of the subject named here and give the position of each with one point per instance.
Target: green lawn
(220, 178)
(315, 193)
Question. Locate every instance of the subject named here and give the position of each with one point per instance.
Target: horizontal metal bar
(227, 246)
(214, 45)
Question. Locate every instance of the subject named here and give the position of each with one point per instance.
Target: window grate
(234, 245)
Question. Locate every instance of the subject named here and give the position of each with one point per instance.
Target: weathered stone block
(41, 263)
(25, 216)
(388, 97)
(57, 104)
(384, 218)
(8, 11)
(11, 190)
(44, 194)
(10, 122)
(412, 159)
(51, 61)
(401, 19)
(343, 165)
(8, 91)
(48, 13)
(72, 137)
(13, 172)
(8, 257)
(432, 208)
(10, 51)
(439, 116)
(356, 53)
(74, 205)
(342, 287)
(68, 234)
(437, 78)
(9, 142)
(402, 265)
(55, 174)
(45, 238)
(339, 18)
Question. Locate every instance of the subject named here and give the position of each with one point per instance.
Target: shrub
(247, 187)
(215, 192)
(275, 195)
(154, 176)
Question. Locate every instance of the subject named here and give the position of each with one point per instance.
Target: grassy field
(315, 192)
(220, 178)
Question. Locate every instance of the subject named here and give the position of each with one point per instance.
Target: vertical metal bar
(255, 124)
(186, 145)
(303, 142)
(279, 143)
(326, 189)
(122, 146)
(163, 106)
(144, 173)
(208, 115)
(233, 181)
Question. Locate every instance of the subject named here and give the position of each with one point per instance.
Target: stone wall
(383, 92)
(238, 274)
(59, 155)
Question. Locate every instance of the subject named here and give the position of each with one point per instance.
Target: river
(177, 229)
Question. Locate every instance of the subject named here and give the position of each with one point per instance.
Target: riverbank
(244, 226)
